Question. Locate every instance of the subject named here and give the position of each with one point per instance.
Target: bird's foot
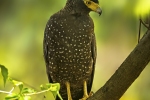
(91, 93)
(84, 97)
(87, 96)
(68, 91)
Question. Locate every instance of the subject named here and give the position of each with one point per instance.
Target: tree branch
(127, 73)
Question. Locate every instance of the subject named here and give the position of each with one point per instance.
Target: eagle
(69, 48)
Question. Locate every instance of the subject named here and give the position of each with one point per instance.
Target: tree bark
(127, 73)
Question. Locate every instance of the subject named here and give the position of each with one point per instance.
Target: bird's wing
(45, 49)
(94, 55)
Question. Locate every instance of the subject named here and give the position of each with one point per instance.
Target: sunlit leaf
(25, 98)
(4, 72)
(54, 93)
(43, 87)
(50, 86)
(12, 96)
(16, 83)
(59, 95)
(53, 87)
(21, 87)
(27, 90)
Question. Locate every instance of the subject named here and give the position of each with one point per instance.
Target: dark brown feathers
(70, 49)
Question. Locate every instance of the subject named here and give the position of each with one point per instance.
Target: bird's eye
(88, 2)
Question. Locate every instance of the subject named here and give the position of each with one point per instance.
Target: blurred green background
(22, 24)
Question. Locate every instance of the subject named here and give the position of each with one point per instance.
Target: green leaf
(12, 96)
(21, 87)
(59, 95)
(43, 87)
(4, 72)
(50, 86)
(25, 98)
(54, 88)
(27, 90)
(16, 83)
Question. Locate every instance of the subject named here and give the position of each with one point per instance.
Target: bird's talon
(84, 98)
(91, 93)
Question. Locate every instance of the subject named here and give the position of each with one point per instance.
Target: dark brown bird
(70, 48)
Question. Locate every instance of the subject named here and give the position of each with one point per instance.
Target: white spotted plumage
(70, 50)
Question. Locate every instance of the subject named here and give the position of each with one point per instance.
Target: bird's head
(81, 6)
(93, 5)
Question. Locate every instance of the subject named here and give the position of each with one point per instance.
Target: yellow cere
(92, 5)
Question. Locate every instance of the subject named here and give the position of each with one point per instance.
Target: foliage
(25, 93)
(143, 7)
(22, 24)
(4, 72)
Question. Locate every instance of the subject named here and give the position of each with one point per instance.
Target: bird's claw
(85, 97)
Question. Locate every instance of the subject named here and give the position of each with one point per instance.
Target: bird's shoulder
(70, 16)
(64, 21)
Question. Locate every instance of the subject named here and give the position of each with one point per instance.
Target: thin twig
(144, 24)
(28, 94)
(6, 92)
(12, 89)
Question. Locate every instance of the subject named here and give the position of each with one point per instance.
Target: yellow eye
(88, 2)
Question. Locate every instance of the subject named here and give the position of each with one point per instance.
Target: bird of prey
(70, 48)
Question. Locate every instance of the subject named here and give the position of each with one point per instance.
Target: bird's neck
(72, 7)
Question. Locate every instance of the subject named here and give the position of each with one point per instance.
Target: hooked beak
(99, 11)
